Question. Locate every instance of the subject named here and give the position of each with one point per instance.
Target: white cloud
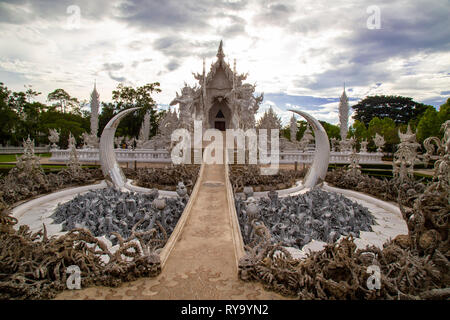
(306, 48)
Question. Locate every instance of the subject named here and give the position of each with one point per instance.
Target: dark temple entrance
(219, 125)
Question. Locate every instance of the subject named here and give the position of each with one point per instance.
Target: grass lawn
(12, 157)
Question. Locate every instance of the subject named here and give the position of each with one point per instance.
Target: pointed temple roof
(220, 53)
(94, 94)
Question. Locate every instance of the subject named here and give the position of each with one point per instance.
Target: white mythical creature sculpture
(406, 156)
(53, 138)
(186, 101)
(246, 105)
(364, 144)
(442, 164)
(90, 141)
(379, 141)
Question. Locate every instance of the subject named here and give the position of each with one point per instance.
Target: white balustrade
(148, 155)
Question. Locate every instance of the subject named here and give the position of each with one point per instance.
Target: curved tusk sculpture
(318, 170)
(111, 170)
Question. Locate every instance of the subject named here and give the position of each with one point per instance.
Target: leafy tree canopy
(63, 100)
(400, 109)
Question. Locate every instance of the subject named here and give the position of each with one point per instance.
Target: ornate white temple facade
(220, 100)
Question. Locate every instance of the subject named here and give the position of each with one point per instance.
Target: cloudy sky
(299, 53)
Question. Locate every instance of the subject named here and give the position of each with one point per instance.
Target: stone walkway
(202, 264)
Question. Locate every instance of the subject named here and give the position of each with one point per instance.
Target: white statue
(406, 156)
(71, 141)
(293, 128)
(364, 144)
(186, 101)
(54, 138)
(379, 141)
(145, 128)
(306, 139)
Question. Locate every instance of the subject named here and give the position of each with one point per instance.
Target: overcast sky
(299, 53)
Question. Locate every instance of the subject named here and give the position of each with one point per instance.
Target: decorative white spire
(293, 128)
(343, 114)
(95, 105)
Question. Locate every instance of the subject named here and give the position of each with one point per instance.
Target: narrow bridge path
(202, 264)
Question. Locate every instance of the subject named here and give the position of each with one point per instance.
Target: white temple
(221, 100)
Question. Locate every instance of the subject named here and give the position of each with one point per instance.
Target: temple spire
(220, 53)
(95, 105)
(343, 114)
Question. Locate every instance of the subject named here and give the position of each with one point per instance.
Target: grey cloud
(116, 78)
(12, 11)
(187, 15)
(274, 13)
(172, 65)
(422, 27)
(113, 66)
(362, 75)
(162, 14)
(178, 47)
(233, 30)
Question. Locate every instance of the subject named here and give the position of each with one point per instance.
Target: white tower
(293, 128)
(343, 114)
(95, 104)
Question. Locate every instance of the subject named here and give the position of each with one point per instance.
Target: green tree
(8, 117)
(63, 100)
(400, 109)
(387, 128)
(302, 124)
(428, 125)
(128, 97)
(332, 130)
(359, 131)
(444, 112)
(65, 122)
(30, 93)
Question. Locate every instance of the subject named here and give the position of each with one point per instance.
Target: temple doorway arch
(220, 115)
